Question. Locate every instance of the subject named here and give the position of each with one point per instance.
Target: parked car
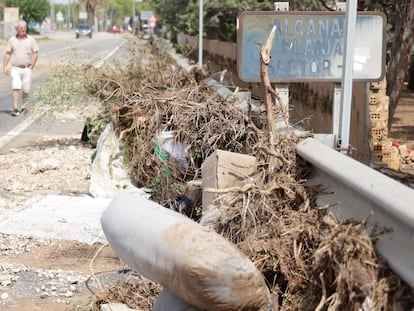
(115, 29)
(84, 30)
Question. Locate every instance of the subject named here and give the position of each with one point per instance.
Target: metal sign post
(336, 109)
(347, 75)
(283, 88)
(336, 113)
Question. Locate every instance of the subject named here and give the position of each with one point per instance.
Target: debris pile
(310, 260)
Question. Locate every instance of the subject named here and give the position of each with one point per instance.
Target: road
(104, 49)
(37, 273)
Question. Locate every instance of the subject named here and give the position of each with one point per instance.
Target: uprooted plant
(310, 260)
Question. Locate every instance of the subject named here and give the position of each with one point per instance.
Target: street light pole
(52, 16)
(68, 23)
(200, 35)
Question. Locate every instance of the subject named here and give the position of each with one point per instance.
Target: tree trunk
(90, 11)
(400, 54)
(411, 74)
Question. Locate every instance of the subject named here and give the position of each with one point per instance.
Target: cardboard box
(225, 169)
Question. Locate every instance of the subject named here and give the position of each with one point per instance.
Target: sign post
(283, 88)
(11, 16)
(133, 9)
(347, 76)
(152, 21)
(316, 47)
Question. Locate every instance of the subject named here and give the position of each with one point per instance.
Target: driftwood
(308, 262)
(266, 86)
(267, 89)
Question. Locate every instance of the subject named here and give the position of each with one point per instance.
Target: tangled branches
(310, 260)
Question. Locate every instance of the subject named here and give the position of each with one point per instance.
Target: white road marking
(18, 129)
(101, 62)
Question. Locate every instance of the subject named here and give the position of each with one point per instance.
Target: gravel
(49, 165)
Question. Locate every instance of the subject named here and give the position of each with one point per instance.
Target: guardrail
(357, 191)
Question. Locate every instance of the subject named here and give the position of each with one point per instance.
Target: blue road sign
(310, 46)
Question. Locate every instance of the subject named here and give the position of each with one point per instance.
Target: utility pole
(68, 23)
(200, 34)
(133, 9)
(52, 16)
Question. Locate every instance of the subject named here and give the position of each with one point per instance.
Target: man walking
(22, 53)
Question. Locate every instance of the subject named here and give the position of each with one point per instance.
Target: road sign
(11, 15)
(152, 20)
(59, 16)
(309, 46)
(83, 15)
(145, 15)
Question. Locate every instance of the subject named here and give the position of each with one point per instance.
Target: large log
(193, 262)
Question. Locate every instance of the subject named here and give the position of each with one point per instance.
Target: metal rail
(356, 191)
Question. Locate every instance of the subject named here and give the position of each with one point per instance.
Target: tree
(170, 13)
(31, 11)
(117, 9)
(90, 11)
(220, 17)
(400, 52)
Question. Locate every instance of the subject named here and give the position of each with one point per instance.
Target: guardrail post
(336, 113)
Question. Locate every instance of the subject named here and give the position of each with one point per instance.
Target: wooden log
(266, 86)
(193, 262)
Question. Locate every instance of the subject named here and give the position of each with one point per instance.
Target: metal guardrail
(357, 191)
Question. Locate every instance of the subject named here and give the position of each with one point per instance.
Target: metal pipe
(347, 73)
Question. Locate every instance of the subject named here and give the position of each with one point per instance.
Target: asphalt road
(104, 49)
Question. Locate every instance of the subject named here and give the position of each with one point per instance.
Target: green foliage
(220, 15)
(66, 86)
(31, 11)
(173, 14)
(70, 86)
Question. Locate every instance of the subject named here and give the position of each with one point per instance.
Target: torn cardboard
(224, 169)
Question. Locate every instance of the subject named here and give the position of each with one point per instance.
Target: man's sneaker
(23, 110)
(15, 113)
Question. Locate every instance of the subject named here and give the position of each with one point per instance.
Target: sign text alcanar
(309, 46)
